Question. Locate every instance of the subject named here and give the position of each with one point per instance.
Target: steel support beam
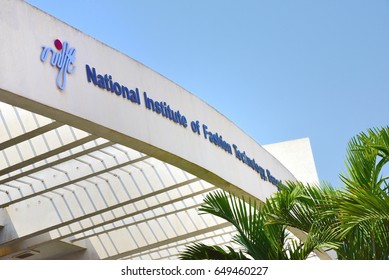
(118, 205)
(48, 154)
(126, 225)
(167, 241)
(28, 135)
(59, 161)
(73, 181)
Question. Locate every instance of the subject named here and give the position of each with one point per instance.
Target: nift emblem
(63, 59)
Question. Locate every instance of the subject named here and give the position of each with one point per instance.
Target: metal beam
(118, 205)
(133, 213)
(73, 181)
(142, 211)
(167, 241)
(59, 161)
(31, 134)
(177, 244)
(48, 154)
(123, 226)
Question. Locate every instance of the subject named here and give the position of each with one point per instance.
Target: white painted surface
(27, 82)
(296, 156)
(97, 111)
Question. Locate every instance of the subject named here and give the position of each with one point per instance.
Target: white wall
(296, 155)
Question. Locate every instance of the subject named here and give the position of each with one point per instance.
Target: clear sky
(280, 70)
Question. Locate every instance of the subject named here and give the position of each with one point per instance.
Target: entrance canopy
(63, 188)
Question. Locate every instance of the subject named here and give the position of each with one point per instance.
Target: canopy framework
(63, 190)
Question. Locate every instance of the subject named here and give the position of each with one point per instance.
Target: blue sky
(280, 70)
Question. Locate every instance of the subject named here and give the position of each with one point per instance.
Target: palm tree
(364, 212)
(310, 210)
(259, 239)
(357, 217)
(353, 221)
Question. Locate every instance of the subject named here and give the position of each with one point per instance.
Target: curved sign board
(66, 75)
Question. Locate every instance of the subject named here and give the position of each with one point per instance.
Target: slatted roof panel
(77, 188)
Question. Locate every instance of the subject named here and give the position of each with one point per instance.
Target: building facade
(103, 158)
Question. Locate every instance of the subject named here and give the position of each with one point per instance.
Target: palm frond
(260, 241)
(364, 210)
(302, 205)
(353, 221)
(200, 251)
